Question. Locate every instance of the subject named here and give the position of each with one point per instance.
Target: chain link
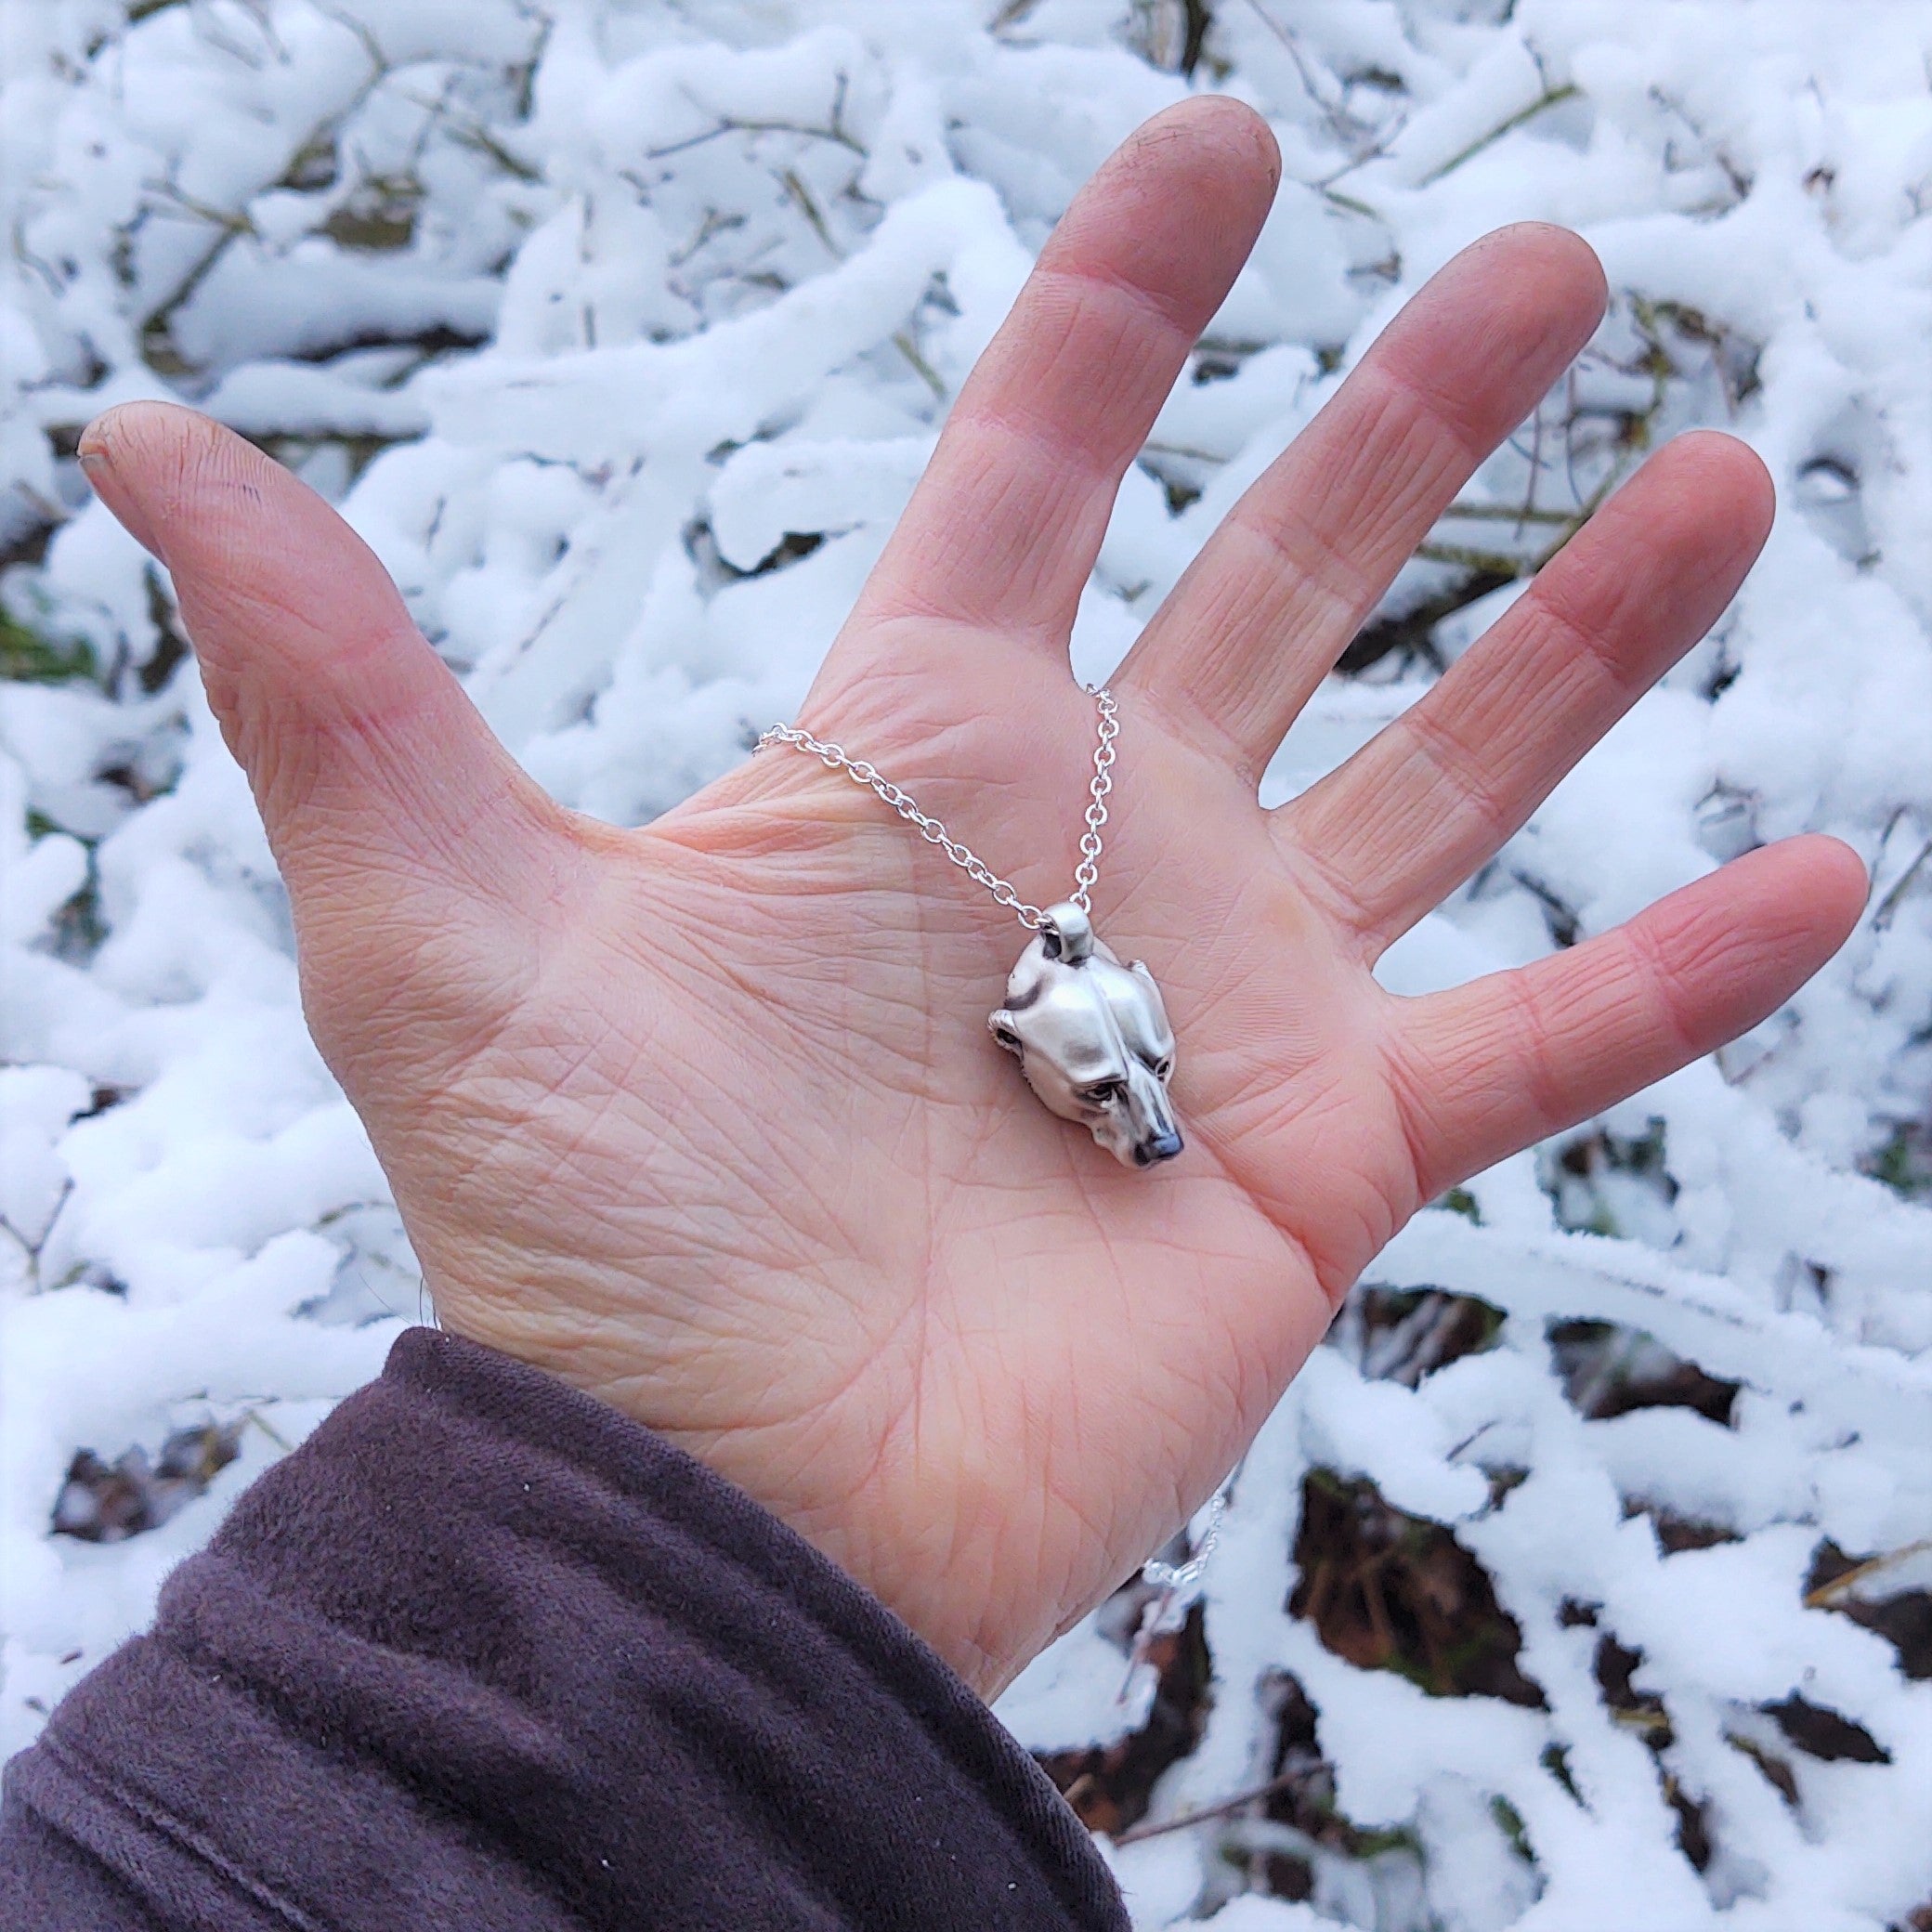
(1173, 1577)
(1086, 874)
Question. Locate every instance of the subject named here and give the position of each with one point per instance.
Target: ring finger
(1297, 564)
(1432, 796)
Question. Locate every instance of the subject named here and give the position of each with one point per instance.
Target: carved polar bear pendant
(1092, 1038)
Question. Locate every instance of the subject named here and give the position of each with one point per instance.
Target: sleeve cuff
(483, 1652)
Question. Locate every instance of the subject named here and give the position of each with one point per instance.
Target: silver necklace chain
(1086, 874)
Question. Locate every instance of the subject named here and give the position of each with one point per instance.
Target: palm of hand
(750, 1165)
(705, 1118)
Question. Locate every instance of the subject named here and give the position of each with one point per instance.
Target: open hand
(705, 1118)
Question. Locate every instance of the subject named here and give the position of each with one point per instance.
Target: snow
(581, 311)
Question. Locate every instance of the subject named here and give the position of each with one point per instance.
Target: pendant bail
(1069, 933)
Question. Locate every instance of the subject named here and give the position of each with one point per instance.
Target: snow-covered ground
(621, 328)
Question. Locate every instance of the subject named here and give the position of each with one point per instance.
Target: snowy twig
(1552, 97)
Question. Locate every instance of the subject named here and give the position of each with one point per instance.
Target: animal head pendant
(1093, 1038)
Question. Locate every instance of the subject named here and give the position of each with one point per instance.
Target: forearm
(484, 1653)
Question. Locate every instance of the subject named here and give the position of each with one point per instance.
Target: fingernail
(98, 466)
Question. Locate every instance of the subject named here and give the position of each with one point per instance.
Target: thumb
(387, 801)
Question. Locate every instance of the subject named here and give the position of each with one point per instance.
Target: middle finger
(1298, 563)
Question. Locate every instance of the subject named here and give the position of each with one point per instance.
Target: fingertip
(1687, 526)
(158, 451)
(1831, 881)
(130, 430)
(1729, 470)
(1496, 325)
(1211, 158)
(1776, 915)
(1549, 272)
(1173, 212)
(1233, 125)
(116, 453)
(166, 471)
(1563, 259)
(280, 595)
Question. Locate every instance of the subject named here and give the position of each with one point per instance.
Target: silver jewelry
(1091, 1034)
(1176, 1578)
(1179, 1584)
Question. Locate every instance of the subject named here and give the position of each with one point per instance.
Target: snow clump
(1583, 1578)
